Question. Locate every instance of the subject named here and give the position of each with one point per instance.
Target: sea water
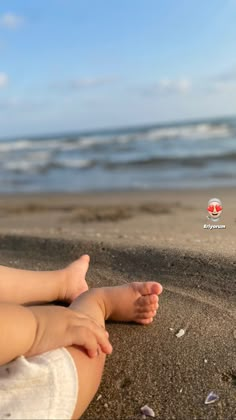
(194, 154)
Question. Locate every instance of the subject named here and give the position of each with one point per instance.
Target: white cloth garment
(40, 387)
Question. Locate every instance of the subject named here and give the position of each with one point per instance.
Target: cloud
(174, 86)
(87, 83)
(223, 82)
(222, 86)
(3, 80)
(11, 21)
(227, 76)
(20, 104)
(168, 87)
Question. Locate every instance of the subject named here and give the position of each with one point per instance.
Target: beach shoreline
(164, 219)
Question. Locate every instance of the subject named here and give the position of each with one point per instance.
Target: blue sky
(69, 65)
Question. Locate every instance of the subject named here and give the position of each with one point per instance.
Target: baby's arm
(37, 329)
(17, 331)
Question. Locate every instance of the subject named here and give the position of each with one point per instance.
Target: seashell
(147, 411)
(211, 398)
(180, 333)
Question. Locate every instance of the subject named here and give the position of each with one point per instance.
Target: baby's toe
(145, 321)
(147, 301)
(147, 288)
(147, 315)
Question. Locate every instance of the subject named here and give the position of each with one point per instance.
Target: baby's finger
(83, 337)
(101, 335)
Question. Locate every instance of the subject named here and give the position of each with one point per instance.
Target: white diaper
(40, 387)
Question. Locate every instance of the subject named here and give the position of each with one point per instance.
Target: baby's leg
(136, 302)
(33, 287)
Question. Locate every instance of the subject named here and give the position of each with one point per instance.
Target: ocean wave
(46, 165)
(74, 163)
(191, 132)
(197, 161)
(31, 144)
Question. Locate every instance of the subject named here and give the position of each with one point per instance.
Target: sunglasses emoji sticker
(214, 209)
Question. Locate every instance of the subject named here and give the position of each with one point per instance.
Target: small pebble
(99, 397)
(205, 360)
(180, 333)
(106, 405)
(171, 329)
(181, 390)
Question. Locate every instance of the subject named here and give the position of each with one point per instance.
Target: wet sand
(148, 236)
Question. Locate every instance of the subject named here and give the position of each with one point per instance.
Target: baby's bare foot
(74, 282)
(136, 302)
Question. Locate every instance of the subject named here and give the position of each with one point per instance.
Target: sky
(75, 65)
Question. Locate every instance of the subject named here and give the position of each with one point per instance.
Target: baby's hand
(61, 327)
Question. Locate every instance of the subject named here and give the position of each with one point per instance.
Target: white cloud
(174, 86)
(227, 76)
(168, 86)
(11, 21)
(15, 103)
(86, 83)
(3, 80)
(224, 86)
(223, 82)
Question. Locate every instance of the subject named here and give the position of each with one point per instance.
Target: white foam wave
(74, 163)
(189, 132)
(21, 145)
(192, 132)
(20, 166)
(17, 145)
(45, 164)
(88, 142)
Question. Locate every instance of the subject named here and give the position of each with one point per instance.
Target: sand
(148, 236)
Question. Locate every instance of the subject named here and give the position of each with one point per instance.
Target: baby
(52, 357)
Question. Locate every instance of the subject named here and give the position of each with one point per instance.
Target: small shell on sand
(211, 398)
(180, 333)
(147, 411)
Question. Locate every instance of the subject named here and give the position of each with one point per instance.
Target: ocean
(197, 154)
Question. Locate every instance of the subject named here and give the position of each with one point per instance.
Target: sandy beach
(147, 235)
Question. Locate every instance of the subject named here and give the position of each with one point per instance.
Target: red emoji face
(214, 208)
